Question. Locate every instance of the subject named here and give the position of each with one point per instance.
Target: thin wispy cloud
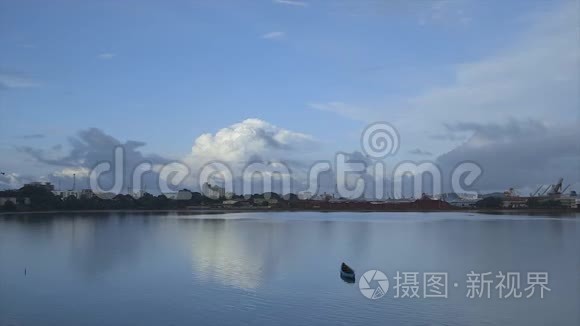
(528, 78)
(292, 3)
(420, 152)
(32, 136)
(534, 74)
(27, 46)
(16, 80)
(348, 111)
(273, 35)
(448, 137)
(106, 56)
(446, 11)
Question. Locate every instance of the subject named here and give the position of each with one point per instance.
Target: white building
(138, 194)
(213, 192)
(304, 195)
(180, 195)
(262, 201)
(78, 194)
(170, 195)
(568, 202)
(465, 203)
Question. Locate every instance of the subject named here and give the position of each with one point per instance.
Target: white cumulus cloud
(10, 181)
(249, 140)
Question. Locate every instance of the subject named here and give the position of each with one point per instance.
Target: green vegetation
(41, 199)
(490, 202)
(535, 203)
(34, 198)
(9, 206)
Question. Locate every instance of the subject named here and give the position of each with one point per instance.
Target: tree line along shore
(32, 198)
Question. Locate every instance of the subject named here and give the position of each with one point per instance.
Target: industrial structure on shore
(550, 196)
(544, 196)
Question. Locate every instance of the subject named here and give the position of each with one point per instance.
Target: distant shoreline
(266, 210)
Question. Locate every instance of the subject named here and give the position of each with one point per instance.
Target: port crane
(556, 188)
(564, 190)
(537, 190)
(74, 182)
(551, 190)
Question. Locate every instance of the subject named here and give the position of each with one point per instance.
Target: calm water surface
(277, 269)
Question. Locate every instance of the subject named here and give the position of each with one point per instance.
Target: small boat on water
(346, 273)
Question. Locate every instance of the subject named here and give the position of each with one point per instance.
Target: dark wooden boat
(346, 272)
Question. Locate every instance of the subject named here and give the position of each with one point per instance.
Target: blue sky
(166, 72)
